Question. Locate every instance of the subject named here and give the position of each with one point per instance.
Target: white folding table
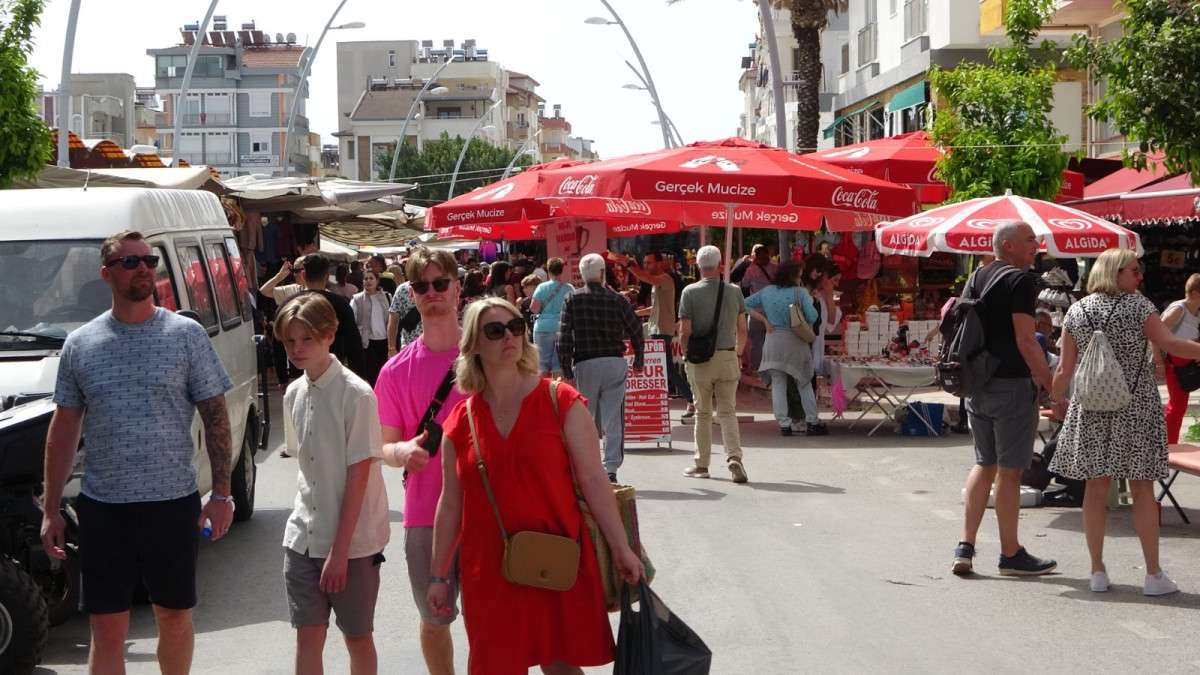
(884, 382)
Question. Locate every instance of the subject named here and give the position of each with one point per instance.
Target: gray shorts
(418, 551)
(309, 605)
(1004, 421)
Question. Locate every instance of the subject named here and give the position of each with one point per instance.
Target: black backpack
(964, 365)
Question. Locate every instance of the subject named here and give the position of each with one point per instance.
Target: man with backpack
(993, 358)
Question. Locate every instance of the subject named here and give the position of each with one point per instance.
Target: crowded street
(832, 559)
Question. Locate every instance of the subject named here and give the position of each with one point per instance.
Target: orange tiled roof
(272, 57)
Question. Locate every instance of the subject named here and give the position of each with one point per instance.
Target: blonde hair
(310, 309)
(468, 368)
(421, 257)
(110, 246)
(1103, 276)
(1193, 284)
(531, 280)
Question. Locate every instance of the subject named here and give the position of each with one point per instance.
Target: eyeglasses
(130, 262)
(495, 329)
(422, 287)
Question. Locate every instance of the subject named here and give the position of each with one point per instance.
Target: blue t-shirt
(775, 300)
(552, 295)
(139, 384)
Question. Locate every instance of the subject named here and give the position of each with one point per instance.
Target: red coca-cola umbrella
(508, 209)
(966, 227)
(729, 182)
(911, 159)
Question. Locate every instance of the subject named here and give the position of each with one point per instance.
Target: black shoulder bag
(700, 348)
(433, 441)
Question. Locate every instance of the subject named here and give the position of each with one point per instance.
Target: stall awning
(907, 98)
(1127, 179)
(841, 120)
(1176, 198)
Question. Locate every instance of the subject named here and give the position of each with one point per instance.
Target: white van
(50, 285)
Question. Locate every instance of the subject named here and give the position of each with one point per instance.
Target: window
(170, 66)
(209, 66)
(191, 262)
(891, 7)
(260, 143)
(350, 149)
(916, 14)
(222, 275)
(239, 275)
(260, 104)
(164, 283)
(845, 58)
(391, 58)
(449, 113)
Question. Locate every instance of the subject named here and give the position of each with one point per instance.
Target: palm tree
(809, 18)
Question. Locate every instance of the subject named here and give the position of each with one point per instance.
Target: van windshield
(49, 288)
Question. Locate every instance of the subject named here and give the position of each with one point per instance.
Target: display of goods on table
(880, 335)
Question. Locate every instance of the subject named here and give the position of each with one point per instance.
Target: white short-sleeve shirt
(329, 425)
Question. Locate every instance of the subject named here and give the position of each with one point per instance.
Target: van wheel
(62, 598)
(24, 620)
(242, 483)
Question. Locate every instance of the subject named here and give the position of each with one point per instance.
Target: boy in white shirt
(338, 528)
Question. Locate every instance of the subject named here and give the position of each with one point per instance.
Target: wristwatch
(221, 498)
(438, 580)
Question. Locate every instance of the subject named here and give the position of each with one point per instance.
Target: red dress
(512, 628)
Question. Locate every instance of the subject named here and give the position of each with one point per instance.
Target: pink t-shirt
(405, 387)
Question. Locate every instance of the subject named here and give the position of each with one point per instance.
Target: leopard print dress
(1127, 443)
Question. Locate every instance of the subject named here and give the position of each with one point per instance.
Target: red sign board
(647, 415)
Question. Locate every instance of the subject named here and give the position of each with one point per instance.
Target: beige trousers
(719, 376)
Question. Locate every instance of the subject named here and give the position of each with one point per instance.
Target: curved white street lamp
(181, 97)
(64, 88)
(463, 154)
(601, 21)
(312, 56)
(663, 116)
(412, 109)
(520, 151)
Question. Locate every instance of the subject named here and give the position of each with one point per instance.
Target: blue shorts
(547, 352)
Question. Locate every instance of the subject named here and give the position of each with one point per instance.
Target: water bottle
(206, 531)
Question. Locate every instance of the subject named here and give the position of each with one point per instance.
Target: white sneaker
(1159, 584)
(1099, 582)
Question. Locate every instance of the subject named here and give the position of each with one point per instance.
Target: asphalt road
(834, 558)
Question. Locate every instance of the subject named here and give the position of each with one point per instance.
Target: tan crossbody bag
(531, 558)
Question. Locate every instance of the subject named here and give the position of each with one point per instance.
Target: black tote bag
(653, 641)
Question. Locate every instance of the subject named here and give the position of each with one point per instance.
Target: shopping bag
(653, 641)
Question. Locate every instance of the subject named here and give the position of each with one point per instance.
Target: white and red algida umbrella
(966, 227)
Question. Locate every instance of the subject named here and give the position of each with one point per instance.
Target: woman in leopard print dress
(1129, 443)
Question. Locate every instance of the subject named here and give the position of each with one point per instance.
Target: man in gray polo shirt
(130, 381)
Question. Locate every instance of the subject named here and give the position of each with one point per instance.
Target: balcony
(1066, 13)
(211, 119)
(916, 15)
(207, 158)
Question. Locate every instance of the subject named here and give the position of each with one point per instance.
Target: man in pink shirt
(406, 390)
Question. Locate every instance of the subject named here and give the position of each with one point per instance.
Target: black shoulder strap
(717, 310)
(991, 284)
(439, 399)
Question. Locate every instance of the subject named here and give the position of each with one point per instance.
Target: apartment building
(523, 103)
(238, 101)
(883, 87)
(379, 80)
(101, 106)
(757, 121)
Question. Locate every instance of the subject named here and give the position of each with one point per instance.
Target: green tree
(995, 124)
(1152, 93)
(809, 18)
(432, 168)
(25, 144)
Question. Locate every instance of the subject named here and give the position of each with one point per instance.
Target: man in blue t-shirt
(548, 299)
(130, 381)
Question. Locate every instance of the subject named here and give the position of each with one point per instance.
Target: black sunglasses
(495, 329)
(422, 287)
(130, 262)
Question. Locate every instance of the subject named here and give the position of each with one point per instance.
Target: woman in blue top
(547, 304)
(783, 352)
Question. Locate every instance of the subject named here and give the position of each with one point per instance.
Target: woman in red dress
(531, 451)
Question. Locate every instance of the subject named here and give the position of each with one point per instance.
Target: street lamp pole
(312, 56)
(508, 169)
(649, 80)
(64, 89)
(646, 87)
(412, 109)
(181, 97)
(463, 154)
(764, 11)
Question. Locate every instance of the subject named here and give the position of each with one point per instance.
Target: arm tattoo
(218, 440)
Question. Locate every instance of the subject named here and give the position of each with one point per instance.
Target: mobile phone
(433, 439)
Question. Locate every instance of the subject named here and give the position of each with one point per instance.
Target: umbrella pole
(728, 240)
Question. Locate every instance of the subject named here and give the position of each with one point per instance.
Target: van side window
(164, 285)
(191, 263)
(219, 270)
(239, 275)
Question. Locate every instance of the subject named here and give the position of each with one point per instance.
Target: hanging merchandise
(845, 254)
(868, 259)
